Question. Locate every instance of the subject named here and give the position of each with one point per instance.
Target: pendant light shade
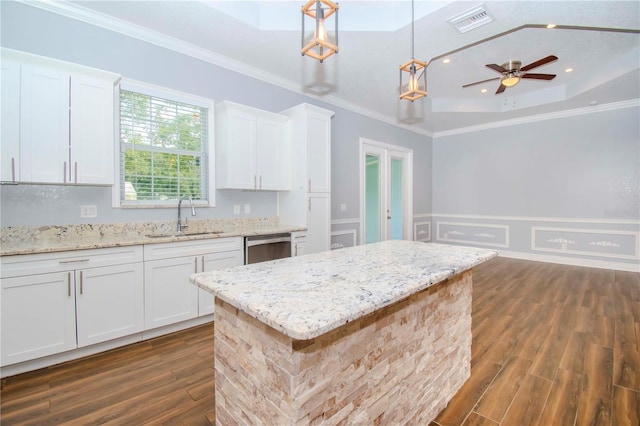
(416, 85)
(319, 45)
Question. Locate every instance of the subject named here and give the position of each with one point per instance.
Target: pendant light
(416, 87)
(320, 47)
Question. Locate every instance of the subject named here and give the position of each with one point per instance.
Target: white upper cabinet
(44, 124)
(92, 130)
(310, 133)
(10, 108)
(252, 151)
(60, 121)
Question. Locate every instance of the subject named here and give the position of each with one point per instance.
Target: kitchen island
(379, 333)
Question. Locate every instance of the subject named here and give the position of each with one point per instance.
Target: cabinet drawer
(42, 263)
(191, 248)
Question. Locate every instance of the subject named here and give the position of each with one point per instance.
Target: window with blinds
(163, 150)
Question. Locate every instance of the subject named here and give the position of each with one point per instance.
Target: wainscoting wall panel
(342, 239)
(601, 243)
(598, 243)
(422, 231)
(473, 233)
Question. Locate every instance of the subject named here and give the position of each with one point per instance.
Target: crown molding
(541, 117)
(98, 19)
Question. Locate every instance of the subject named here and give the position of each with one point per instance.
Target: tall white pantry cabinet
(308, 203)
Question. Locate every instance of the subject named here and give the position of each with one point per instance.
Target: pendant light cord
(413, 55)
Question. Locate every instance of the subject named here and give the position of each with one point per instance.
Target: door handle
(202, 264)
(81, 280)
(195, 264)
(69, 284)
(13, 169)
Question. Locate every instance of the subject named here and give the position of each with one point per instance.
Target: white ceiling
(262, 38)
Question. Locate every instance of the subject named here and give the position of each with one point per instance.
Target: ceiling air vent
(472, 18)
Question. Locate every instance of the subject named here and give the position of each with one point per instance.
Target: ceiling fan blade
(497, 67)
(501, 89)
(480, 82)
(539, 76)
(539, 63)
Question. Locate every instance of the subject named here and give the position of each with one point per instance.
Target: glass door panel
(372, 198)
(396, 200)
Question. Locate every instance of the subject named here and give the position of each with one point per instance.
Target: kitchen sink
(181, 234)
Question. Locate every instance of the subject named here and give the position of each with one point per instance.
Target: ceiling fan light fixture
(510, 80)
(416, 86)
(320, 44)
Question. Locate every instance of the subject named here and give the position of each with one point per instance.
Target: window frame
(172, 95)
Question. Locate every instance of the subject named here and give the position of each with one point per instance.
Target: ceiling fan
(512, 72)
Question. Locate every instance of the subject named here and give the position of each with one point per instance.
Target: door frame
(407, 232)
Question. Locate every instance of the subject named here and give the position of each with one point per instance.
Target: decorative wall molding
(541, 117)
(587, 242)
(422, 231)
(490, 235)
(422, 216)
(344, 238)
(539, 219)
(573, 261)
(345, 221)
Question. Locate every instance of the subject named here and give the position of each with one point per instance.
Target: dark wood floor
(552, 345)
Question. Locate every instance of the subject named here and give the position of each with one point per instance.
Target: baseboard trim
(572, 261)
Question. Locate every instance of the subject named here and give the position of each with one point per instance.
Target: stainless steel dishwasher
(260, 248)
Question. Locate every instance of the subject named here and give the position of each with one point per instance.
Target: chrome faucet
(193, 212)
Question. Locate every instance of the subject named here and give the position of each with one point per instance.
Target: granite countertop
(48, 239)
(307, 296)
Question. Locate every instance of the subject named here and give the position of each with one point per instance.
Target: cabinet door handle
(309, 190)
(69, 284)
(75, 171)
(202, 264)
(260, 182)
(195, 264)
(296, 249)
(64, 171)
(255, 182)
(13, 169)
(309, 203)
(81, 288)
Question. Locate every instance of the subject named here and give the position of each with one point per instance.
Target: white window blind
(163, 149)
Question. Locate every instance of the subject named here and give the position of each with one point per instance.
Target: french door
(386, 192)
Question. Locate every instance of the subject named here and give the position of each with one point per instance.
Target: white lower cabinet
(109, 302)
(169, 296)
(211, 262)
(55, 302)
(318, 222)
(60, 302)
(298, 243)
(38, 316)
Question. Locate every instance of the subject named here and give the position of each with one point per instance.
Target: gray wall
(578, 175)
(36, 31)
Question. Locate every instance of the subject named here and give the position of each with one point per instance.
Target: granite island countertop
(307, 296)
(48, 239)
